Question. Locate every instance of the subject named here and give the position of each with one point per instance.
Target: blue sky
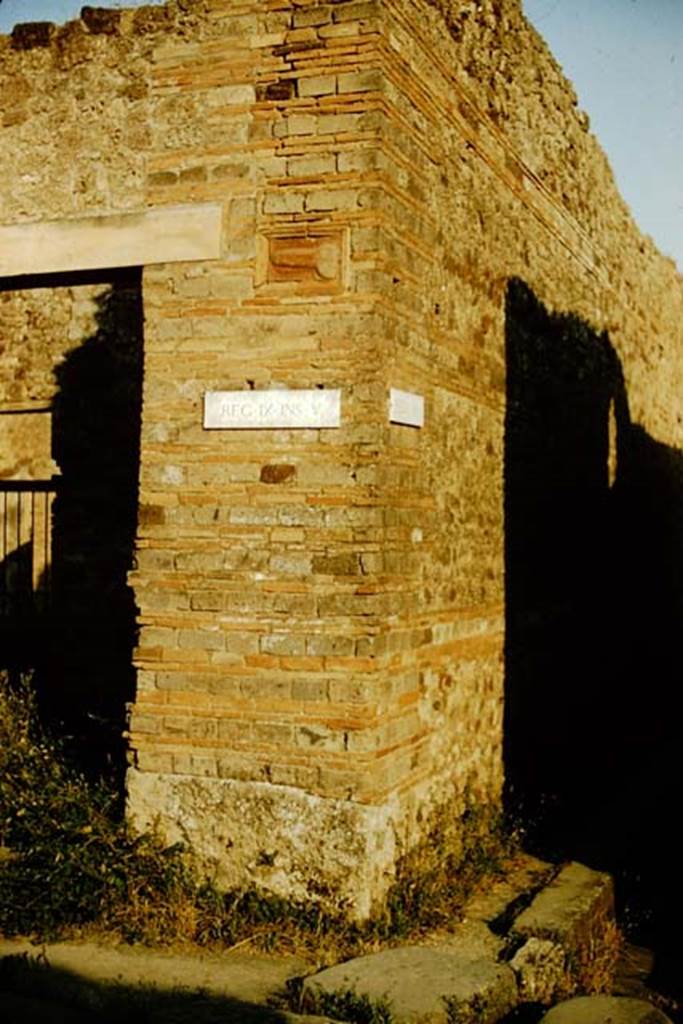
(625, 58)
(59, 11)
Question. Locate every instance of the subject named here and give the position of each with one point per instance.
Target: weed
(68, 857)
(591, 970)
(434, 880)
(351, 1007)
(472, 1012)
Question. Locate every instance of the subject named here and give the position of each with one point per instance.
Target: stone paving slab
(605, 1010)
(417, 981)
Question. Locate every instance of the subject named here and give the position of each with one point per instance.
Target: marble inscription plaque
(270, 410)
(406, 407)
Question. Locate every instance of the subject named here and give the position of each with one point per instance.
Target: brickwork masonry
(321, 653)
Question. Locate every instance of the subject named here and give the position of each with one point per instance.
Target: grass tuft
(350, 1007)
(592, 970)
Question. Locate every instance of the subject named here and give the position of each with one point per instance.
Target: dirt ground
(75, 983)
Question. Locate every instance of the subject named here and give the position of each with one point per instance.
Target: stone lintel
(167, 234)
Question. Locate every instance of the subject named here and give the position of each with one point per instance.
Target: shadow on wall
(23, 612)
(82, 653)
(96, 444)
(594, 596)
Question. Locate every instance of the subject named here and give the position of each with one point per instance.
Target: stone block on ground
(605, 1010)
(418, 983)
(573, 910)
(540, 967)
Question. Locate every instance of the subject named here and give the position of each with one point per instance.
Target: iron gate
(25, 548)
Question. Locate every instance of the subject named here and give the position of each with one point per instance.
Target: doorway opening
(594, 602)
(70, 395)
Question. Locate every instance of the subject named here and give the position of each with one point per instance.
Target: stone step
(417, 984)
(573, 910)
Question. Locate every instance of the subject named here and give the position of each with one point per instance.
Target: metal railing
(25, 547)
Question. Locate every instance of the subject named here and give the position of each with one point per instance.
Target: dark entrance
(80, 645)
(562, 379)
(25, 568)
(594, 608)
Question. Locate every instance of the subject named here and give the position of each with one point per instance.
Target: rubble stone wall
(38, 327)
